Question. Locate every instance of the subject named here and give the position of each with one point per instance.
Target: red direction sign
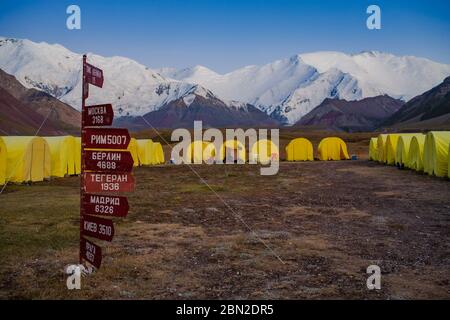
(93, 75)
(113, 206)
(91, 252)
(106, 138)
(108, 161)
(96, 227)
(99, 115)
(108, 182)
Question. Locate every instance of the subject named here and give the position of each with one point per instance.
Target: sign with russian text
(108, 182)
(98, 115)
(104, 205)
(91, 252)
(106, 138)
(108, 161)
(96, 227)
(93, 75)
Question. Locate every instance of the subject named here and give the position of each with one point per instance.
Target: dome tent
(391, 148)
(196, 151)
(28, 159)
(133, 149)
(435, 153)
(373, 151)
(233, 150)
(402, 150)
(62, 151)
(264, 151)
(299, 149)
(145, 151)
(159, 153)
(381, 147)
(3, 157)
(209, 154)
(77, 155)
(332, 148)
(416, 152)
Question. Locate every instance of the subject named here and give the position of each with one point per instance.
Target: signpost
(108, 182)
(108, 161)
(99, 228)
(106, 138)
(105, 171)
(112, 206)
(93, 75)
(99, 115)
(91, 252)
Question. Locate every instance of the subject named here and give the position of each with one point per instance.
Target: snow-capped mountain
(290, 88)
(132, 88)
(285, 89)
(398, 76)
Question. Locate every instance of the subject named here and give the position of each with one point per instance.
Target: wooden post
(83, 106)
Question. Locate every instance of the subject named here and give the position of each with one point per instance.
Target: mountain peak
(286, 88)
(372, 53)
(295, 59)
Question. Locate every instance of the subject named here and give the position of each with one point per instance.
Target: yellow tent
(196, 151)
(233, 150)
(133, 148)
(145, 151)
(403, 146)
(381, 147)
(299, 149)
(28, 159)
(264, 151)
(3, 157)
(159, 153)
(435, 153)
(332, 148)
(373, 151)
(391, 148)
(209, 153)
(416, 152)
(62, 150)
(77, 155)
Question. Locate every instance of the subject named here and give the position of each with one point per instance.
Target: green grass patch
(38, 218)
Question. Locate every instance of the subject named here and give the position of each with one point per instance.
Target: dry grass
(326, 220)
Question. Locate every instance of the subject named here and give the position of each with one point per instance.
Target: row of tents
(330, 148)
(24, 159)
(427, 153)
(264, 151)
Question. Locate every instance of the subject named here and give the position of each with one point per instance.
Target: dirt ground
(309, 232)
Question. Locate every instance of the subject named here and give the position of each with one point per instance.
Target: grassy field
(325, 221)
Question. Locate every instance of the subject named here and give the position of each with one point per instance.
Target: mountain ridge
(285, 89)
(369, 73)
(352, 116)
(432, 104)
(24, 111)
